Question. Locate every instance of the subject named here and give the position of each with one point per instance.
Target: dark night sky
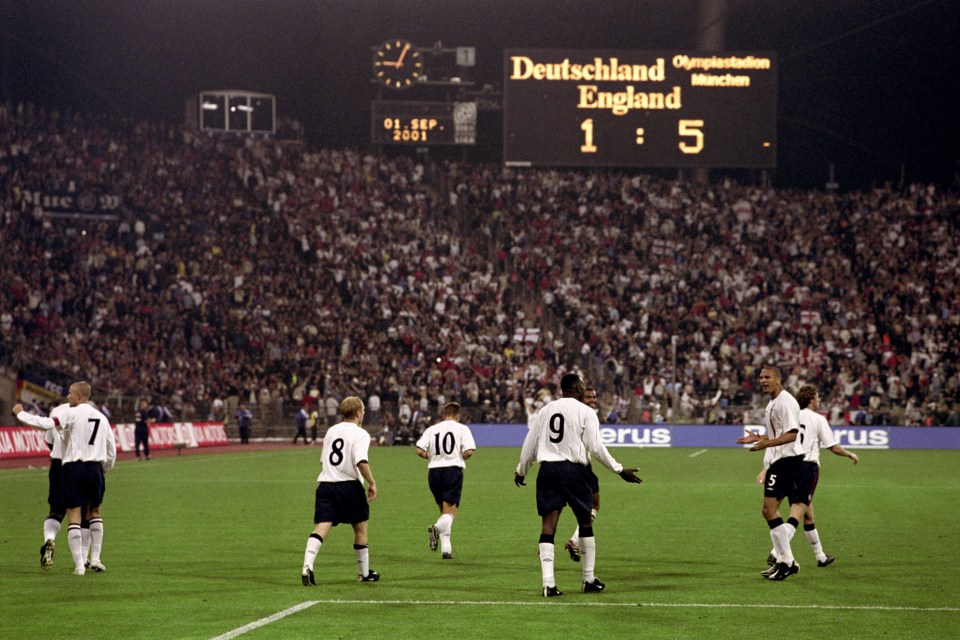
(869, 84)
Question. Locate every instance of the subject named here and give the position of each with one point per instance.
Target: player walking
(340, 496)
(446, 445)
(563, 433)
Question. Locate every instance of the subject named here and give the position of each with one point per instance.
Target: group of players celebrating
(563, 438)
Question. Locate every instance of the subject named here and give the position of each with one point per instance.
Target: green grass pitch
(202, 546)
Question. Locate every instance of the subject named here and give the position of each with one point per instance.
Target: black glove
(518, 480)
(630, 475)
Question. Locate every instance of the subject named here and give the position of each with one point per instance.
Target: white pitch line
(696, 453)
(692, 605)
(239, 631)
(509, 603)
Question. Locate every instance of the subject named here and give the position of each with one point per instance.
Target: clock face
(397, 63)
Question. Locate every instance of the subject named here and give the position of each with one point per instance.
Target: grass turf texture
(198, 546)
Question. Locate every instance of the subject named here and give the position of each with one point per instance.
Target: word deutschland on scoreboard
(639, 108)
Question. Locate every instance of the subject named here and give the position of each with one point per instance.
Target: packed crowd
(280, 275)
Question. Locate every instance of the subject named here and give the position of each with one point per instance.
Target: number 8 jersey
(345, 445)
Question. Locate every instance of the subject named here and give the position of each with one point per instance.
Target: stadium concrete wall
(725, 436)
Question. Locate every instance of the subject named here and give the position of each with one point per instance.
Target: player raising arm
(562, 435)
(89, 450)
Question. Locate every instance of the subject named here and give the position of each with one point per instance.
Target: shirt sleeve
(111, 450)
(424, 441)
(528, 452)
(361, 448)
(827, 438)
(39, 422)
(591, 440)
(466, 442)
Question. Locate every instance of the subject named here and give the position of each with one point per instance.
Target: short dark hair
(774, 370)
(569, 382)
(806, 394)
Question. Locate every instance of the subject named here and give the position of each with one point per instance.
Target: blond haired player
(340, 497)
(89, 450)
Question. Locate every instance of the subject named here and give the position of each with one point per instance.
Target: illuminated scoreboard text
(422, 123)
(639, 108)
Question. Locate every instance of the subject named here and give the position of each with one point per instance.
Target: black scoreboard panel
(408, 122)
(639, 108)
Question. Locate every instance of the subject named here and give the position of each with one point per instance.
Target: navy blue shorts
(807, 485)
(55, 493)
(564, 483)
(341, 502)
(83, 484)
(593, 480)
(783, 478)
(446, 484)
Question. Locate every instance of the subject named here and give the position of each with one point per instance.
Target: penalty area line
(265, 621)
(674, 605)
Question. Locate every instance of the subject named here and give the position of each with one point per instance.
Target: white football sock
(546, 564)
(76, 545)
(310, 555)
(51, 527)
(96, 539)
(363, 560)
(813, 537)
(781, 543)
(588, 556)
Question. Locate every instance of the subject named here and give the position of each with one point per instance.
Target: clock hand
(403, 54)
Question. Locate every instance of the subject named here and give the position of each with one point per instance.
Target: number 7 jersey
(86, 435)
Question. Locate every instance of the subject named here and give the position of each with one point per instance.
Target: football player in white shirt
(563, 436)
(446, 445)
(573, 544)
(816, 434)
(340, 496)
(89, 450)
(782, 461)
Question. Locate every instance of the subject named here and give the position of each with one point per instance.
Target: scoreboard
(639, 108)
(423, 123)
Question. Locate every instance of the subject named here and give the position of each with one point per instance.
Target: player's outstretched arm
(630, 475)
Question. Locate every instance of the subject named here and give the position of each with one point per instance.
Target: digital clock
(639, 108)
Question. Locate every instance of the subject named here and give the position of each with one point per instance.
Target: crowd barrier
(26, 442)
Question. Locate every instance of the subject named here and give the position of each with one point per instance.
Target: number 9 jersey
(565, 429)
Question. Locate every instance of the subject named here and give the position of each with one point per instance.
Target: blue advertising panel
(714, 436)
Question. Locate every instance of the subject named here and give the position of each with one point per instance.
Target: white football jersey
(445, 443)
(565, 429)
(816, 434)
(345, 445)
(85, 433)
(783, 415)
(52, 438)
